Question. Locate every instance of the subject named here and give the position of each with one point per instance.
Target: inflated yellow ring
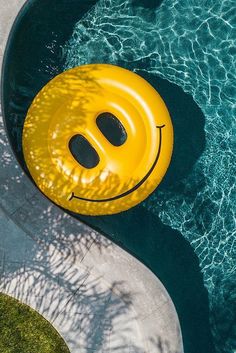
(68, 107)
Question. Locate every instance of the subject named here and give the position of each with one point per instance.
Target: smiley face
(97, 139)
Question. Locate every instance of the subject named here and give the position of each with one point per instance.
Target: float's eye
(112, 129)
(83, 152)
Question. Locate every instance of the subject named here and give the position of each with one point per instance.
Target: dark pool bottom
(32, 58)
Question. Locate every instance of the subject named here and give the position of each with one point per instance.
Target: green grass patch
(23, 330)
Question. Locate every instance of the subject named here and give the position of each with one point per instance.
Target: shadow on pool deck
(43, 274)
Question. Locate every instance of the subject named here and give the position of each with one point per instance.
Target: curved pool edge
(23, 204)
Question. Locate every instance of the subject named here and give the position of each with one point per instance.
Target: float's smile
(73, 196)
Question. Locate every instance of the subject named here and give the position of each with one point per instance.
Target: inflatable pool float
(97, 139)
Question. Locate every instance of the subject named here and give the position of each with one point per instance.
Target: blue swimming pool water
(191, 44)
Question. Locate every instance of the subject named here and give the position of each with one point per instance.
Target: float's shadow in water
(188, 122)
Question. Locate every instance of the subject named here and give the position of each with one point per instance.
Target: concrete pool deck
(99, 298)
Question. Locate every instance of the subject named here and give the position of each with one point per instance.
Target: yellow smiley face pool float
(97, 139)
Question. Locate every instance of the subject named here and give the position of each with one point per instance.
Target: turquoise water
(189, 43)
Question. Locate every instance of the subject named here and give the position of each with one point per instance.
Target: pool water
(184, 232)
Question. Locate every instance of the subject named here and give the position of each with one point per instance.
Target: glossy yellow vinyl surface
(69, 105)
